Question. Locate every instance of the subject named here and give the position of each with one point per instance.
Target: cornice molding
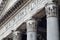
(12, 11)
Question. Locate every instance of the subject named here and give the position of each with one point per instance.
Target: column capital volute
(30, 19)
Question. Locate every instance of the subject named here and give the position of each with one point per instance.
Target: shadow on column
(59, 19)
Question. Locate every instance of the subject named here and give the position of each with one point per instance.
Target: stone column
(31, 30)
(52, 21)
(16, 35)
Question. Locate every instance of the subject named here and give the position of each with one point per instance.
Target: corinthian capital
(51, 9)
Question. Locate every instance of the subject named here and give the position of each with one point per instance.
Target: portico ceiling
(40, 14)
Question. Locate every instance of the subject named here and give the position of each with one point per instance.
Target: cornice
(12, 11)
